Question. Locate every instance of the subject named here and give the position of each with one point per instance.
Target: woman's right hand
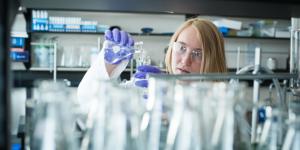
(118, 46)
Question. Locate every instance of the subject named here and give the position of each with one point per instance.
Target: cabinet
(76, 46)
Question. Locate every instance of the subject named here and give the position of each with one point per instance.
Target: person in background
(196, 47)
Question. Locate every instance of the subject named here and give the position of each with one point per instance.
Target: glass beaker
(159, 111)
(203, 115)
(186, 129)
(41, 55)
(273, 129)
(242, 136)
(53, 121)
(225, 96)
(114, 119)
(292, 138)
(294, 108)
(141, 56)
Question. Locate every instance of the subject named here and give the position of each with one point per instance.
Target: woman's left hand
(141, 75)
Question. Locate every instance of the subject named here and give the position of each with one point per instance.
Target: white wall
(278, 49)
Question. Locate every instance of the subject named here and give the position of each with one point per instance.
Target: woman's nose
(186, 59)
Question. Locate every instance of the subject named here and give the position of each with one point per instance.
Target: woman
(196, 47)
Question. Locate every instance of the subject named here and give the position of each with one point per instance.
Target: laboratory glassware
(159, 111)
(272, 133)
(186, 129)
(53, 118)
(141, 56)
(292, 138)
(118, 52)
(113, 121)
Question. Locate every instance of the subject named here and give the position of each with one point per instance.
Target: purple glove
(118, 46)
(141, 75)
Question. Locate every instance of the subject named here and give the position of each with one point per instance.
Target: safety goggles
(181, 49)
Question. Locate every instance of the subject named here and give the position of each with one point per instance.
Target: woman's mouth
(182, 71)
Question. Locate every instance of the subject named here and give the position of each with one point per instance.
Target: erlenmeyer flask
(124, 112)
(242, 124)
(292, 138)
(273, 129)
(159, 110)
(223, 130)
(114, 119)
(202, 116)
(94, 135)
(186, 123)
(54, 124)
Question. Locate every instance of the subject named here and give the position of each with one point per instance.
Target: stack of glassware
(177, 115)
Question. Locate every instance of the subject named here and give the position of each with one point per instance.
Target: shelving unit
(101, 33)
(157, 34)
(26, 78)
(78, 72)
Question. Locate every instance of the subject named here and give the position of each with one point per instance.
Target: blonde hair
(213, 45)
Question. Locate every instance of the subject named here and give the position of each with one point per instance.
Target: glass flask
(225, 96)
(141, 56)
(113, 121)
(242, 133)
(187, 125)
(159, 111)
(273, 130)
(54, 125)
(115, 52)
(198, 115)
(292, 138)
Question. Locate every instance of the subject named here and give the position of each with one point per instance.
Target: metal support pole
(256, 84)
(224, 76)
(55, 62)
(294, 49)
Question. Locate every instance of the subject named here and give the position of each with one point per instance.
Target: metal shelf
(226, 76)
(155, 34)
(101, 33)
(255, 37)
(61, 69)
(72, 69)
(26, 78)
(66, 69)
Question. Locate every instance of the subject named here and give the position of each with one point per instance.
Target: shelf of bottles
(42, 22)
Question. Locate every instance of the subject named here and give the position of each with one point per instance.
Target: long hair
(213, 60)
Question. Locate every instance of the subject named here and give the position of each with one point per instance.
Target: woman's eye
(182, 49)
(198, 54)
